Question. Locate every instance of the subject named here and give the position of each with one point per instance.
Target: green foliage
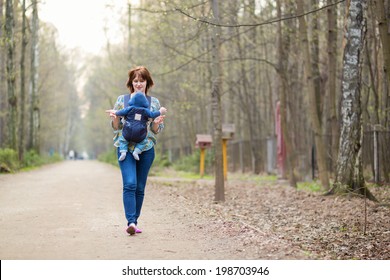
(160, 162)
(257, 178)
(310, 186)
(31, 158)
(189, 163)
(109, 157)
(8, 161)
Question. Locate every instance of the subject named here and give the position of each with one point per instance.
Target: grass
(172, 173)
(309, 186)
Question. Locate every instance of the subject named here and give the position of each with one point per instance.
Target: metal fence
(375, 153)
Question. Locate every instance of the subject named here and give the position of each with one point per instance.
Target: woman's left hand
(159, 119)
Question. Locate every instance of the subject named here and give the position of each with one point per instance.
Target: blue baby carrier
(135, 130)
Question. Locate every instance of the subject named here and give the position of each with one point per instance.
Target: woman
(135, 172)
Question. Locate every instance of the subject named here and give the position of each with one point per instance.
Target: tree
(2, 76)
(349, 174)
(11, 73)
(383, 22)
(313, 101)
(332, 75)
(216, 104)
(283, 47)
(22, 83)
(33, 89)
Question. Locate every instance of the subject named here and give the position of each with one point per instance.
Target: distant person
(135, 172)
(71, 154)
(135, 128)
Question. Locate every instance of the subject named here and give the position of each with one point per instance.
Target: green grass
(309, 186)
(172, 173)
(10, 163)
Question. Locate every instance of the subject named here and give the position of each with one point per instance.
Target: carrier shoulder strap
(127, 98)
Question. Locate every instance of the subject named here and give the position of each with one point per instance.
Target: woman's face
(139, 84)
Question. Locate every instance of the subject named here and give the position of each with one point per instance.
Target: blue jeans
(134, 176)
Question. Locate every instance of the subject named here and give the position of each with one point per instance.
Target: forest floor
(73, 210)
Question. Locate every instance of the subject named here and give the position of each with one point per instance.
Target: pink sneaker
(138, 230)
(131, 229)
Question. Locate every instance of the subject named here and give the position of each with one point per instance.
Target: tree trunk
(314, 114)
(248, 103)
(33, 89)
(22, 84)
(315, 56)
(283, 44)
(216, 104)
(2, 77)
(11, 73)
(332, 74)
(349, 175)
(129, 38)
(383, 25)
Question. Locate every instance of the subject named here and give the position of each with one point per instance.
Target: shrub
(109, 157)
(32, 158)
(8, 161)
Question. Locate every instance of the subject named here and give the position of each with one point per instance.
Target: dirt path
(73, 210)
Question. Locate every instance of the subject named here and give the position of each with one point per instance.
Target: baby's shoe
(122, 156)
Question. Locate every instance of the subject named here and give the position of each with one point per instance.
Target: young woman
(135, 172)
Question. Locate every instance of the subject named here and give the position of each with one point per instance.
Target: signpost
(203, 141)
(228, 131)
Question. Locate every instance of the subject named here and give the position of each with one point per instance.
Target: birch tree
(349, 174)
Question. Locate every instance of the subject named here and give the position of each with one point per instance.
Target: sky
(80, 23)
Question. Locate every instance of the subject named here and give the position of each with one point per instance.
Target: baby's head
(139, 100)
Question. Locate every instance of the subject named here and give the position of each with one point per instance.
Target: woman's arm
(158, 124)
(116, 122)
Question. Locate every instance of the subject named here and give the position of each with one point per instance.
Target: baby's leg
(122, 156)
(136, 153)
(123, 146)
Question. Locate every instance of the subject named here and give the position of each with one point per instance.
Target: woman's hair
(141, 72)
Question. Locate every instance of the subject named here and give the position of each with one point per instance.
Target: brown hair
(142, 72)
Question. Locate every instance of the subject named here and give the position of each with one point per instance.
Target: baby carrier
(135, 127)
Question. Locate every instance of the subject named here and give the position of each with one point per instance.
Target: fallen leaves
(274, 221)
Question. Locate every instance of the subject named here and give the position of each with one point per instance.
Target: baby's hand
(111, 112)
(163, 110)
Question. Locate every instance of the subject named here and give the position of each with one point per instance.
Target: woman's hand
(112, 113)
(159, 119)
(114, 119)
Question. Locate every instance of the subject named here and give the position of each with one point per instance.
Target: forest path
(74, 210)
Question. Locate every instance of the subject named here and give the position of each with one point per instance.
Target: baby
(135, 129)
